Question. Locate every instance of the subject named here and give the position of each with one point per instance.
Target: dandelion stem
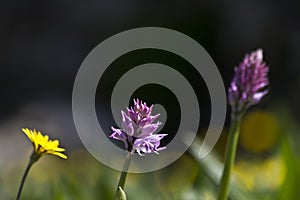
(32, 160)
(123, 176)
(229, 156)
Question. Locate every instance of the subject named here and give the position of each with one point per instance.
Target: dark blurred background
(44, 43)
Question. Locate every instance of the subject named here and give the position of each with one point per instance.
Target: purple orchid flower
(138, 129)
(248, 85)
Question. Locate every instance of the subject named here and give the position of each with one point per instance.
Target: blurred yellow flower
(259, 131)
(261, 175)
(42, 145)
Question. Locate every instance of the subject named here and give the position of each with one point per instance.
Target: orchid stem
(123, 176)
(229, 156)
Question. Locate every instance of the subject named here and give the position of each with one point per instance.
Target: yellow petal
(28, 133)
(58, 154)
(60, 149)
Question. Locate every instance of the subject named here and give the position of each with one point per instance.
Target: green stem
(229, 156)
(123, 176)
(33, 158)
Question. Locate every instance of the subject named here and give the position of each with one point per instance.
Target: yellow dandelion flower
(43, 145)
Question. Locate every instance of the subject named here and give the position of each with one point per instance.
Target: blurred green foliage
(271, 174)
